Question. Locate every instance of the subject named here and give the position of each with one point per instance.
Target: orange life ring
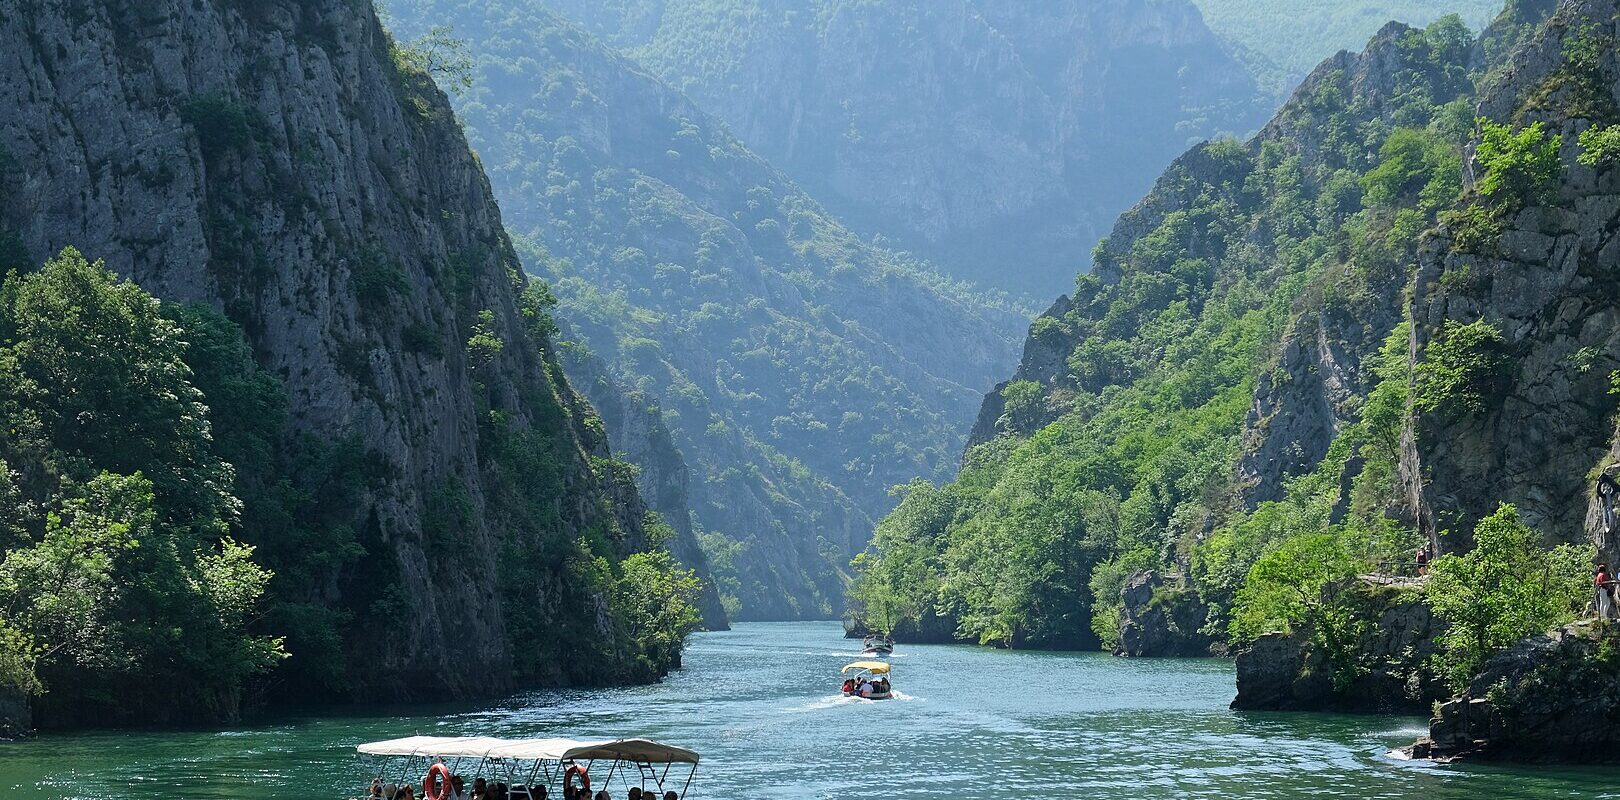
(436, 783)
(568, 778)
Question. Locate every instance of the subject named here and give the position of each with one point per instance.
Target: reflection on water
(762, 705)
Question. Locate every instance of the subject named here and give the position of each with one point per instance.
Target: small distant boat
(870, 681)
(877, 645)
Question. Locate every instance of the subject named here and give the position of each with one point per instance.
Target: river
(760, 703)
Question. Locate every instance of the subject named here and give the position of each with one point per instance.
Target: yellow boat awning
(874, 667)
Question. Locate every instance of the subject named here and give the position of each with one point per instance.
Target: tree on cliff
(1508, 587)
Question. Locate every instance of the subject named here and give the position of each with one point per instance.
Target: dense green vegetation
(121, 581)
(1129, 456)
(1281, 40)
(150, 487)
(1508, 587)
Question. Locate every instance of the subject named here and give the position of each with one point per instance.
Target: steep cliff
(966, 130)
(273, 160)
(801, 370)
(1540, 273)
(636, 433)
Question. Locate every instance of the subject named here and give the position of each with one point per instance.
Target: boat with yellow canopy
(870, 680)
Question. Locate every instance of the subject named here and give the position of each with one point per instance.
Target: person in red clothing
(1603, 599)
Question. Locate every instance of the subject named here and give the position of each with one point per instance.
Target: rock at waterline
(1284, 672)
(1157, 619)
(1554, 697)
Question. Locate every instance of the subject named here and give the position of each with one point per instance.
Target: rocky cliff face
(1157, 619)
(1545, 281)
(970, 130)
(271, 160)
(801, 371)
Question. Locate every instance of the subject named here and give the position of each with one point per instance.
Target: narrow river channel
(761, 705)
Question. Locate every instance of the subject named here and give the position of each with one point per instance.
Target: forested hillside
(802, 371)
(283, 416)
(1282, 40)
(1303, 356)
(994, 137)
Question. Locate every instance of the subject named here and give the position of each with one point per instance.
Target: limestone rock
(1554, 697)
(1159, 620)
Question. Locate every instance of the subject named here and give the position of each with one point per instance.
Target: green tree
(1463, 369)
(655, 603)
(125, 580)
(1600, 146)
(1520, 168)
(1416, 169)
(1300, 587)
(898, 576)
(1508, 587)
(440, 54)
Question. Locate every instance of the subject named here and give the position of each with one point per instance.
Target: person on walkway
(1602, 593)
(1423, 555)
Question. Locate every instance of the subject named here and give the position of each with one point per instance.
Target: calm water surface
(760, 703)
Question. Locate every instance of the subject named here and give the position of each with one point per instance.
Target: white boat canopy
(643, 751)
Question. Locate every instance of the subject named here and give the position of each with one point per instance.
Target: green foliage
(902, 584)
(221, 124)
(1463, 371)
(1240, 246)
(1301, 586)
(1508, 587)
(1416, 169)
(484, 344)
(439, 54)
(1474, 228)
(1023, 401)
(1520, 168)
(654, 602)
(125, 582)
(1600, 146)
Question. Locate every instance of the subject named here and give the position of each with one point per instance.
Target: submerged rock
(1555, 697)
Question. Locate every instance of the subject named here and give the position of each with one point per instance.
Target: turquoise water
(760, 703)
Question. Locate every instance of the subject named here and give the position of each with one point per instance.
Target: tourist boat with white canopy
(870, 681)
(523, 766)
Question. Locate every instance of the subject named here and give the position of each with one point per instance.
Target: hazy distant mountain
(998, 138)
(801, 371)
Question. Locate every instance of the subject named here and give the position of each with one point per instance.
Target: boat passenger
(480, 789)
(671, 795)
(458, 789)
(376, 788)
(603, 795)
(635, 793)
